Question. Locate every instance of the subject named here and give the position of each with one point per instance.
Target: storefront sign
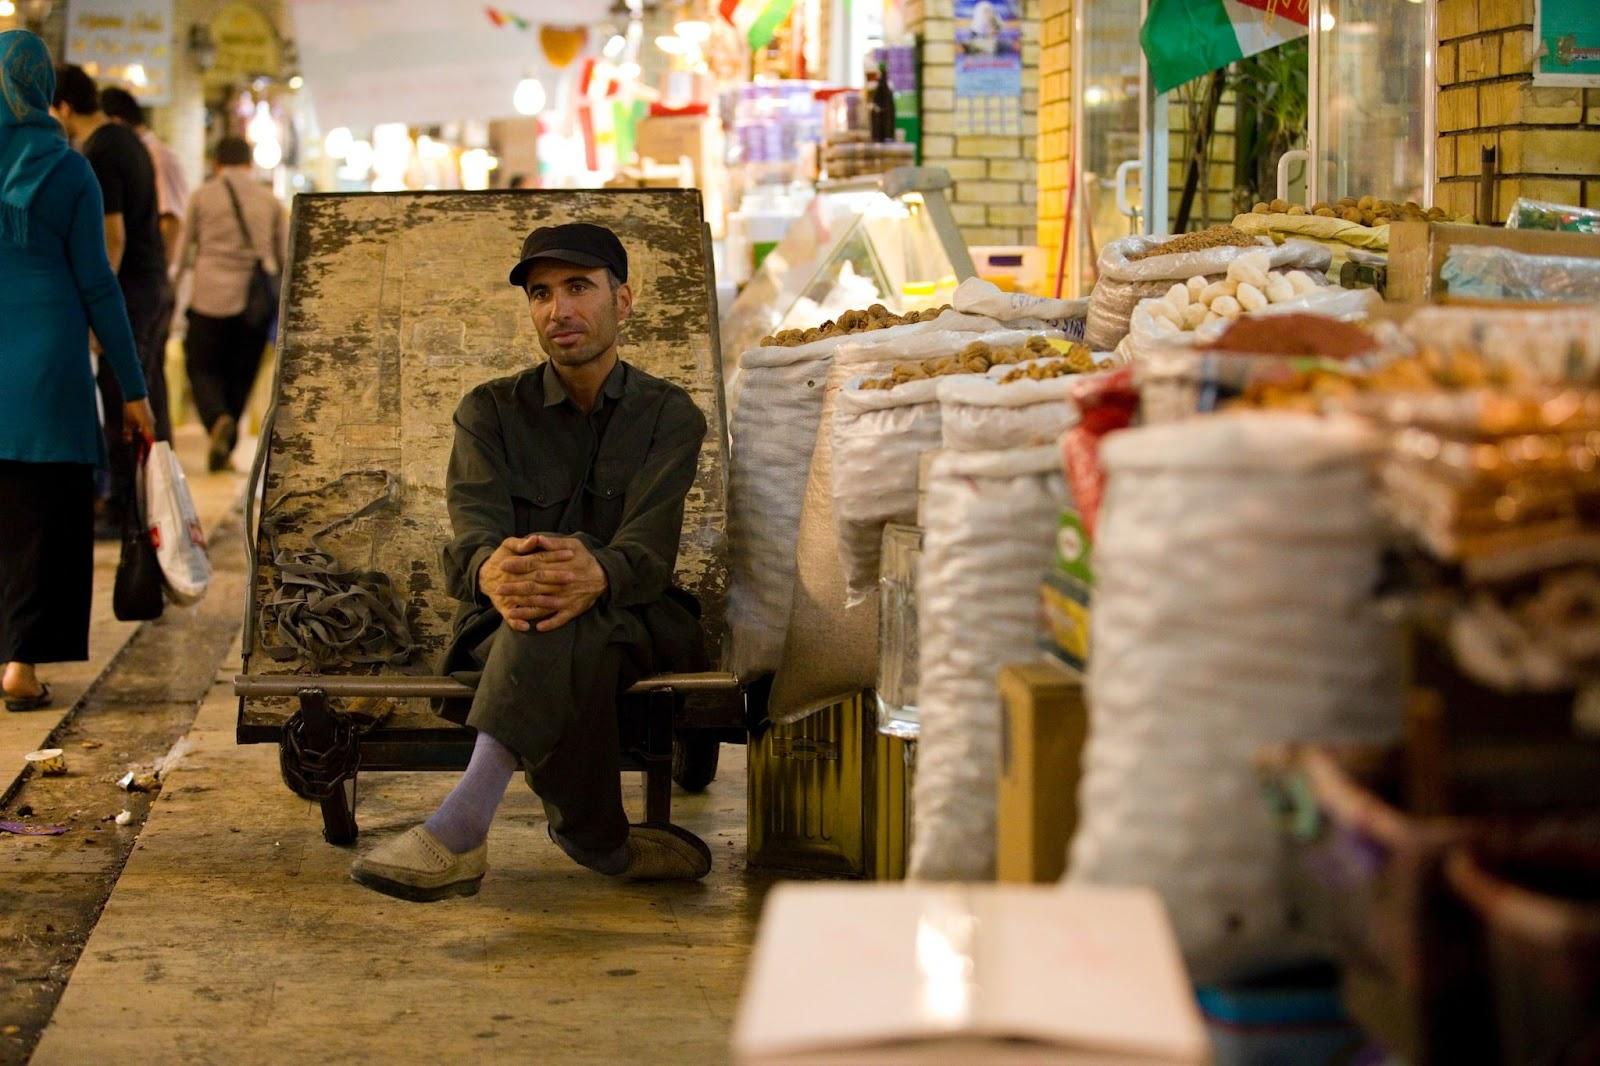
(246, 45)
(124, 42)
(1568, 36)
(988, 67)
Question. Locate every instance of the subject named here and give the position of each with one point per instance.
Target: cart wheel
(694, 760)
(339, 814)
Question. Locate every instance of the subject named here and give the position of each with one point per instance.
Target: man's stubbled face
(575, 310)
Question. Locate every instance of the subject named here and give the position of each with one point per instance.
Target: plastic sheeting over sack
(879, 436)
(175, 526)
(1235, 563)
(979, 297)
(776, 413)
(989, 533)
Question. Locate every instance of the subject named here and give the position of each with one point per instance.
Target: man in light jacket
(233, 221)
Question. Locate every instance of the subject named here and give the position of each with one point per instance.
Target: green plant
(1271, 90)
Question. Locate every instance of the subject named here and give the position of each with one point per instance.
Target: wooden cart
(394, 305)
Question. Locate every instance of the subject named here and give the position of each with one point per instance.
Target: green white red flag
(757, 20)
(1185, 39)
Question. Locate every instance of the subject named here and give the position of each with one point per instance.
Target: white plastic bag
(988, 535)
(1235, 562)
(175, 526)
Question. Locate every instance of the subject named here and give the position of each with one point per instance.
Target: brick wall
(1055, 125)
(1547, 139)
(995, 183)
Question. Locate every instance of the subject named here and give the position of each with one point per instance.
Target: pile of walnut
(1250, 285)
(875, 317)
(1366, 211)
(1077, 361)
(977, 358)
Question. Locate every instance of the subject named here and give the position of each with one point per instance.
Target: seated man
(566, 490)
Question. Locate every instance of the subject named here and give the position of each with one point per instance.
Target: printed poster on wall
(126, 43)
(989, 67)
(1567, 33)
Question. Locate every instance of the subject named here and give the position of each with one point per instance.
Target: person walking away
(233, 222)
(172, 188)
(58, 282)
(133, 240)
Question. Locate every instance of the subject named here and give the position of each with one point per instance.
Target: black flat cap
(581, 243)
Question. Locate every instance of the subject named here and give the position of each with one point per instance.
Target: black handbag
(137, 595)
(261, 298)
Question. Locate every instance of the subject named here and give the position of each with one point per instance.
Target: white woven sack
(1122, 282)
(988, 536)
(831, 649)
(774, 429)
(773, 425)
(879, 436)
(980, 414)
(175, 526)
(1234, 570)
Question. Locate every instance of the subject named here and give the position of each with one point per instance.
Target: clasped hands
(541, 581)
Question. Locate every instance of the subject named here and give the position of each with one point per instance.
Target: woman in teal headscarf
(55, 283)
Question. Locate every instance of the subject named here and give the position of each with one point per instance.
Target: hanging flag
(758, 20)
(1184, 39)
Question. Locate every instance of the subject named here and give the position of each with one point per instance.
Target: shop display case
(888, 238)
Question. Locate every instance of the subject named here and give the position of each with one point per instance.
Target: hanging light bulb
(337, 143)
(7, 9)
(1327, 22)
(267, 154)
(529, 97)
(613, 49)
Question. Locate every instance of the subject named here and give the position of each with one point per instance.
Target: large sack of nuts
(776, 412)
(830, 650)
(1016, 408)
(1139, 268)
(989, 525)
(881, 426)
(1235, 565)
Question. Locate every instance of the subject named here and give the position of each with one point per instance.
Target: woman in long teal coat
(55, 283)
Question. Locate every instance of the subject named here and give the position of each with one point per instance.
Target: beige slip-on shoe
(658, 851)
(416, 867)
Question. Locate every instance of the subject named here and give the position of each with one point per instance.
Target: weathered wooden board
(396, 305)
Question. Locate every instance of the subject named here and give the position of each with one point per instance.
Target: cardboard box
(1418, 249)
(1043, 727)
(881, 973)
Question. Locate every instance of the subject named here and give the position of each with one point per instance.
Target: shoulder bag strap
(238, 214)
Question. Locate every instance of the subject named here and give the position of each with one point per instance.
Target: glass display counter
(888, 239)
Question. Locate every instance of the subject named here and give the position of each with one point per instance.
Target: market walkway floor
(235, 935)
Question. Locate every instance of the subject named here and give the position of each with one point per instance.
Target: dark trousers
(222, 356)
(151, 317)
(552, 699)
(46, 561)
